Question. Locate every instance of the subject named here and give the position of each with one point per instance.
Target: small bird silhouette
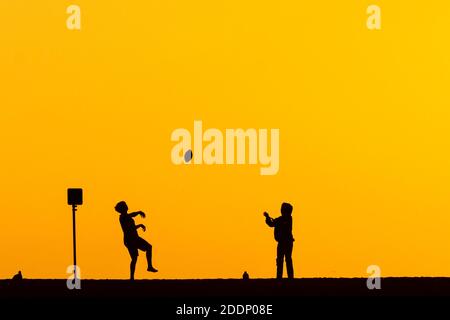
(18, 276)
(245, 276)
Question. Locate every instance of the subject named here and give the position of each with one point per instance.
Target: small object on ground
(18, 276)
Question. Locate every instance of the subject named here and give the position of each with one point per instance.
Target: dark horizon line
(206, 279)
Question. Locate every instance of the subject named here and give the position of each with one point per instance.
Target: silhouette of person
(283, 235)
(131, 238)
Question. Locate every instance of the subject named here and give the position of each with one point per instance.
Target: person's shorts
(136, 245)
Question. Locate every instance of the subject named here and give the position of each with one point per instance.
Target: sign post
(74, 198)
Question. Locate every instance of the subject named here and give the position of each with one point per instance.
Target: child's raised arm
(269, 220)
(137, 213)
(141, 226)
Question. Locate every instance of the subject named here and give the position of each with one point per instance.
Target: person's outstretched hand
(143, 227)
(266, 214)
(142, 214)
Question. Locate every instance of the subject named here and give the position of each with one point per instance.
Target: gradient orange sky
(364, 135)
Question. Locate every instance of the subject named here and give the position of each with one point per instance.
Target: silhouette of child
(283, 235)
(131, 238)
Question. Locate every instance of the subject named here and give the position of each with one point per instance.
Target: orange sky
(364, 136)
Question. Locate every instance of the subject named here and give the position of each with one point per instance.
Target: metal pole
(74, 209)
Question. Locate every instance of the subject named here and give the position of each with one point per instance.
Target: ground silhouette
(124, 289)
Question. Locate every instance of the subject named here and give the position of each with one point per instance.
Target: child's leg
(132, 267)
(149, 260)
(280, 258)
(289, 265)
(147, 247)
(134, 256)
